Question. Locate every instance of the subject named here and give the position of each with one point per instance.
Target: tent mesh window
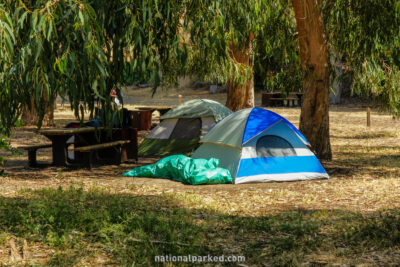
(274, 146)
(186, 129)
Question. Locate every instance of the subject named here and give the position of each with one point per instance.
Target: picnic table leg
(59, 150)
(32, 158)
(132, 147)
(123, 134)
(124, 154)
(89, 160)
(129, 151)
(118, 154)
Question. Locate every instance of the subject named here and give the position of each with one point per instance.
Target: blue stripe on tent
(257, 166)
(260, 119)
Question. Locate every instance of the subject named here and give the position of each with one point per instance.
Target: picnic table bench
(32, 149)
(89, 150)
(88, 139)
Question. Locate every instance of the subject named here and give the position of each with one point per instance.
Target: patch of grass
(126, 230)
(380, 230)
(132, 229)
(61, 258)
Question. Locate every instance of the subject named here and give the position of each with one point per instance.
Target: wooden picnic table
(59, 137)
(86, 136)
(278, 99)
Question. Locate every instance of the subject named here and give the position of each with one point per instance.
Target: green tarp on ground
(229, 157)
(163, 147)
(184, 169)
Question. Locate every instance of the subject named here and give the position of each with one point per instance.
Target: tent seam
(247, 120)
(237, 170)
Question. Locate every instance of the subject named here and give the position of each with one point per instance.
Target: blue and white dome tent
(258, 145)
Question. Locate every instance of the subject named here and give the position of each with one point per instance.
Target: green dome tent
(181, 128)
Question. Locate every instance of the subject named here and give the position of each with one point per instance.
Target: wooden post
(179, 99)
(124, 135)
(368, 117)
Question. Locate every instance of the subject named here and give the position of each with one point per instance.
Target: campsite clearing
(101, 218)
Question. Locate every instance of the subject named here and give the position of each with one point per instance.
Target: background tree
(76, 49)
(276, 50)
(222, 41)
(8, 104)
(240, 22)
(314, 119)
(366, 34)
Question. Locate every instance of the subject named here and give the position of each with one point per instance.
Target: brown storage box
(141, 119)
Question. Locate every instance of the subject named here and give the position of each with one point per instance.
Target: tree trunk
(30, 117)
(314, 119)
(240, 96)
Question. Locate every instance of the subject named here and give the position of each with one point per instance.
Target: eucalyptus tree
(239, 23)
(366, 34)
(8, 105)
(276, 50)
(8, 96)
(222, 34)
(76, 49)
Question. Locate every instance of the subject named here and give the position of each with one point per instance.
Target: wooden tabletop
(153, 107)
(65, 131)
(71, 131)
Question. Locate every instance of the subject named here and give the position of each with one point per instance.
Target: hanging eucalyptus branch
(75, 49)
(366, 33)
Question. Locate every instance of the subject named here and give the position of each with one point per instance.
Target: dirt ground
(364, 172)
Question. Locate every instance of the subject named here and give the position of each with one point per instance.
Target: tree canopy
(77, 49)
(274, 48)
